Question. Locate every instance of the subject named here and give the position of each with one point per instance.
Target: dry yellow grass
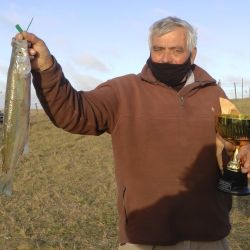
(64, 195)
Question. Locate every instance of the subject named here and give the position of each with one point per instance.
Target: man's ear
(193, 55)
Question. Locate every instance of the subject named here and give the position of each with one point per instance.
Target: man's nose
(166, 57)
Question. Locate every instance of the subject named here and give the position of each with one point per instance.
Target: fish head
(21, 57)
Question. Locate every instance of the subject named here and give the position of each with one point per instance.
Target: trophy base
(234, 183)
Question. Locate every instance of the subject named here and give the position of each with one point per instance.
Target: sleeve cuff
(48, 77)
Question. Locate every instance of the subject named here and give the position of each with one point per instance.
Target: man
(162, 123)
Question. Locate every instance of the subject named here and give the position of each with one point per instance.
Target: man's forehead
(170, 39)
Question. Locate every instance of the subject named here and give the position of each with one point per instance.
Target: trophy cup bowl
(236, 129)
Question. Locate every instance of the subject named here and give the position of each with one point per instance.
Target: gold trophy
(236, 129)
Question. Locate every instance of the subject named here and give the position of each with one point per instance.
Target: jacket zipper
(181, 99)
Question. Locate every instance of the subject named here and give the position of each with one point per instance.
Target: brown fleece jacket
(164, 150)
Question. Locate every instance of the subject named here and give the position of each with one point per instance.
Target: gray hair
(168, 24)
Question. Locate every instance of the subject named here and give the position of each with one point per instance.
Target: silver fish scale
(16, 113)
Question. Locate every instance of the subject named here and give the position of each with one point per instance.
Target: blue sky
(98, 40)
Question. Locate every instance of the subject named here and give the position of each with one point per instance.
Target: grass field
(64, 194)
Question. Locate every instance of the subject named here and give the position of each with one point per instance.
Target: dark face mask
(171, 74)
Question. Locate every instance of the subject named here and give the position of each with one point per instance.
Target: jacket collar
(201, 77)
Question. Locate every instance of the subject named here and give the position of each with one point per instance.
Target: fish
(16, 113)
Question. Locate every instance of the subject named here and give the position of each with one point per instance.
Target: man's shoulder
(202, 75)
(125, 80)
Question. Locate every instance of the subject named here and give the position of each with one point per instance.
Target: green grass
(64, 194)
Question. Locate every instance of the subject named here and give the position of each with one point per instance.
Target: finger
(244, 157)
(19, 36)
(32, 52)
(245, 170)
(230, 147)
(30, 37)
(246, 161)
(244, 153)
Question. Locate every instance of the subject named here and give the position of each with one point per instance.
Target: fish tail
(6, 184)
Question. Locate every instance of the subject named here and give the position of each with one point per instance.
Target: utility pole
(242, 88)
(235, 92)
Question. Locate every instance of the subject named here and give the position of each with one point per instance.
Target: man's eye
(157, 49)
(179, 51)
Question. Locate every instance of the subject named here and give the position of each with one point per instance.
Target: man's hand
(244, 158)
(222, 144)
(40, 56)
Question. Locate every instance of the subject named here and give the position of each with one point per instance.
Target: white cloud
(14, 15)
(5, 20)
(9, 18)
(85, 82)
(3, 69)
(91, 62)
(162, 12)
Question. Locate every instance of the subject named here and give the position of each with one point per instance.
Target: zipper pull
(182, 100)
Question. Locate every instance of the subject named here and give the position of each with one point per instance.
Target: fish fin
(6, 184)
